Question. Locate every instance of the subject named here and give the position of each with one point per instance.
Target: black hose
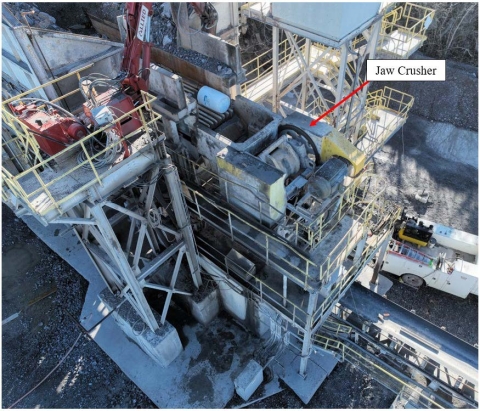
(298, 130)
(48, 138)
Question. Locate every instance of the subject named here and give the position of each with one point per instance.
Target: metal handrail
(387, 99)
(365, 217)
(354, 357)
(325, 270)
(25, 140)
(308, 235)
(284, 56)
(382, 335)
(366, 255)
(262, 285)
(402, 19)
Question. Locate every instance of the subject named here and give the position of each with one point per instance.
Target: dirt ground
(48, 295)
(408, 164)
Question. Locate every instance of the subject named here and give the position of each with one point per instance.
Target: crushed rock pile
(163, 29)
(163, 34)
(29, 14)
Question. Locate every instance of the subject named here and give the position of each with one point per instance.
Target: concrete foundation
(206, 309)
(320, 366)
(260, 315)
(163, 345)
(233, 299)
(249, 380)
(382, 285)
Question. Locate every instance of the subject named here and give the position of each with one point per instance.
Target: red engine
(52, 131)
(119, 103)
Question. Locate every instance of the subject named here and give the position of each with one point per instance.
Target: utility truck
(422, 252)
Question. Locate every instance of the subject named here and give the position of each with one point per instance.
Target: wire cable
(34, 100)
(49, 374)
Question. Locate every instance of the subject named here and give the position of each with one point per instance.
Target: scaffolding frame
(317, 76)
(127, 267)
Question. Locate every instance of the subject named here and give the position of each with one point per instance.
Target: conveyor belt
(389, 375)
(445, 358)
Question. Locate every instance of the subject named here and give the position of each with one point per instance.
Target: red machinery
(137, 42)
(55, 128)
(120, 100)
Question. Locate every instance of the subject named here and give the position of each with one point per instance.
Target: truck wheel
(412, 280)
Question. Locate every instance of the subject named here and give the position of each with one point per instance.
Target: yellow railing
(404, 27)
(288, 308)
(373, 243)
(336, 328)
(267, 244)
(345, 352)
(283, 303)
(261, 67)
(391, 101)
(306, 235)
(39, 183)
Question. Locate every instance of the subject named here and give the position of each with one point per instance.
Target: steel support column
(135, 290)
(339, 94)
(182, 217)
(308, 46)
(381, 256)
(359, 249)
(275, 38)
(307, 337)
(370, 53)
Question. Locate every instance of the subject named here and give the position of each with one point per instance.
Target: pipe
(36, 64)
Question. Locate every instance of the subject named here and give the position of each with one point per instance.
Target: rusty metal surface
(105, 27)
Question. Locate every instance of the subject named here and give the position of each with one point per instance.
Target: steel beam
(151, 267)
(275, 36)
(301, 61)
(370, 52)
(176, 270)
(163, 288)
(125, 211)
(182, 218)
(308, 46)
(73, 220)
(381, 256)
(307, 337)
(136, 297)
(341, 81)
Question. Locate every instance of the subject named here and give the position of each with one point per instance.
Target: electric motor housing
(52, 131)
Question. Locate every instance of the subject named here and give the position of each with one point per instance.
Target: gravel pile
(163, 29)
(456, 98)
(164, 35)
(29, 14)
(409, 164)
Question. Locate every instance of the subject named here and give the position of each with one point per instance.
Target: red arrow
(314, 122)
